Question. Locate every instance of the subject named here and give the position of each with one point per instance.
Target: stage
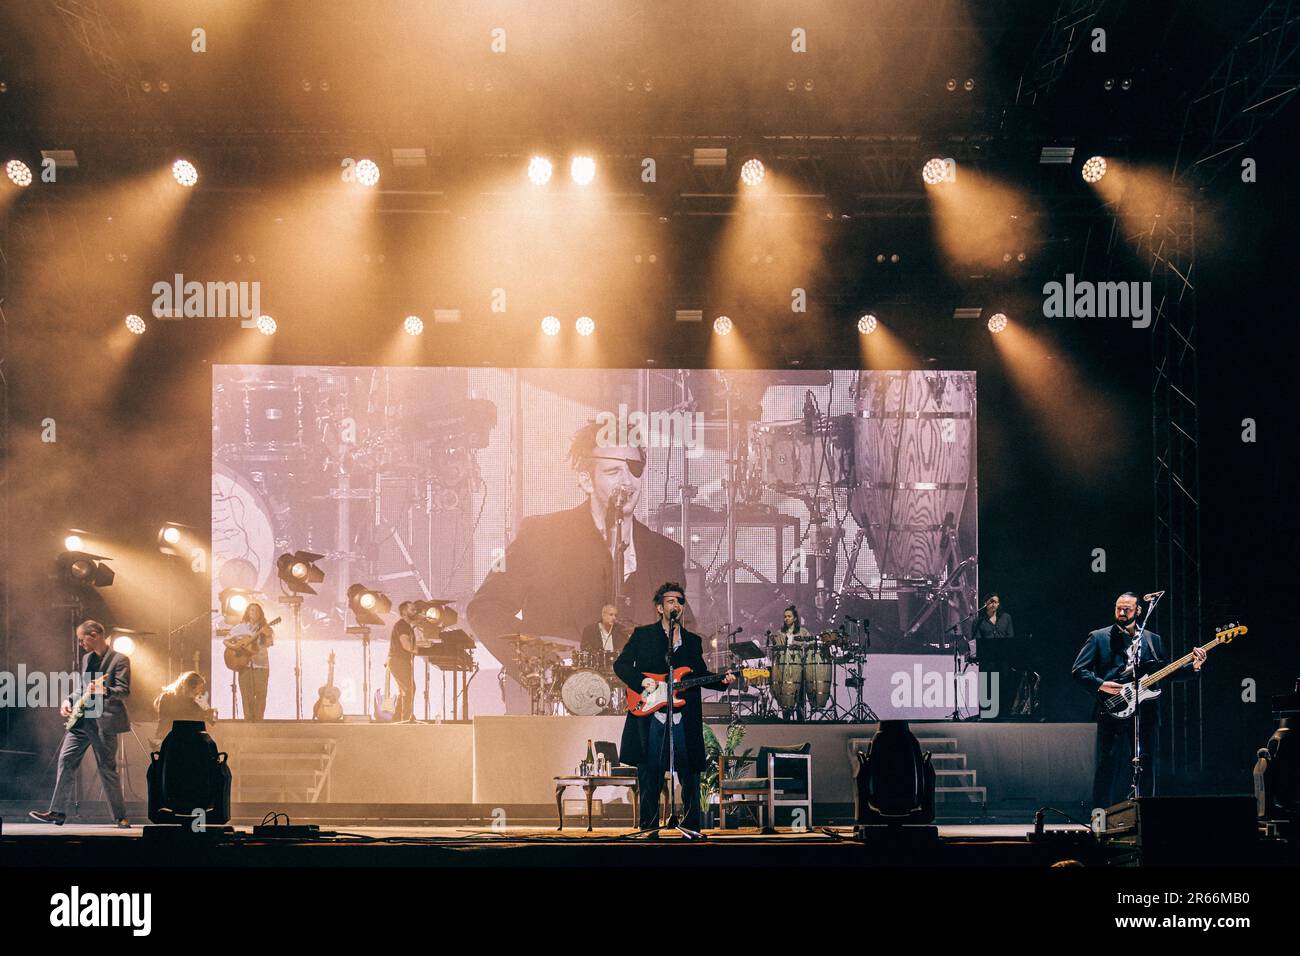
(465, 773)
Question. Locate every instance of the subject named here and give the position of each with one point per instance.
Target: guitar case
(187, 773)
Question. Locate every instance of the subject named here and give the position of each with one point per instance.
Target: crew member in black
(992, 622)
(401, 661)
(1102, 666)
(644, 739)
(107, 674)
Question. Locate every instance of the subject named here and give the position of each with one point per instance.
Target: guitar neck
(1157, 676)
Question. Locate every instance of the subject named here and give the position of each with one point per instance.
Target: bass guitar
(644, 702)
(1134, 693)
(327, 707)
(242, 644)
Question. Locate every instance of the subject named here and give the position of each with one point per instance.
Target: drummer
(792, 628)
(603, 640)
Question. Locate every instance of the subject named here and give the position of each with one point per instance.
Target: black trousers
(1113, 780)
(88, 736)
(404, 709)
(650, 776)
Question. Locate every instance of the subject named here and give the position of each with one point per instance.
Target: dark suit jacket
(1104, 656)
(559, 573)
(645, 651)
(591, 638)
(116, 669)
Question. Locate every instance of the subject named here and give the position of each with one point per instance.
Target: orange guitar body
(639, 704)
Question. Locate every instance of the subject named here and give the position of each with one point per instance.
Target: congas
(787, 675)
(818, 673)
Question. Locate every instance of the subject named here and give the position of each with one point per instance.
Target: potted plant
(713, 749)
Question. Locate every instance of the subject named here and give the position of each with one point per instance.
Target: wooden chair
(783, 778)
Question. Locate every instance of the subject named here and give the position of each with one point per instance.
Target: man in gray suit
(108, 674)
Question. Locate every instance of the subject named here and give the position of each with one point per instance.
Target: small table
(589, 784)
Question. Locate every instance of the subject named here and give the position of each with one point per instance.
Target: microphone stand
(957, 716)
(1137, 700)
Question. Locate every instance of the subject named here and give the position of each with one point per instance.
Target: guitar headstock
(1227, 632)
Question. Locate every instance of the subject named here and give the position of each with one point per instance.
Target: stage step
(283, 769)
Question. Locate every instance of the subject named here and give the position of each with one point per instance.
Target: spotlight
(539, 170)
(722, 325)
(367, 173)
(135, 324)
(951, 84)
(1109, 84)
(1093, 169)
(934, 171)
(266, 325)
(585, 325)
(435, 614)
(122, 644)
(968, 85)
(867, 324)
(583, 170)
(1126, 84)
(997, 322)
(413, 325)
(234, 602)
(368, 605)
(185, 173)
(81, 568)
(19, 173)
(298, 572)
(550, 325)
(753, 172)
(169, 535)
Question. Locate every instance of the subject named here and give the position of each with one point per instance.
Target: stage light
(583, 170)
(234, 602)
(81, 568)
(368, 604)
(951, 84)
(968, 85)
(266, 325)
(169, 534)
(73, 542)
(435, 614)
(539, 170)
(722, 325)
(753, 172)
(867, 324)
(298, 571)
(413, 325)
(135, 324)
(123, 644)
(934, 171)
(1093, 169)
(585, 325)
(997, 322)
(185, 173)
(367, 173)
(19, 173)
(550, 325)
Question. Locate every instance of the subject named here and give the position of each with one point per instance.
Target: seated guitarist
(1101, 667)
(644, 738)
(254, 678)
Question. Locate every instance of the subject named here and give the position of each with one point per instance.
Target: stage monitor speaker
(1184, 830)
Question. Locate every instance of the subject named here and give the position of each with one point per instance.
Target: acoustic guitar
(327, 707)
(242, 644)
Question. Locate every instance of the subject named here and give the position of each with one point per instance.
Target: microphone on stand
(1148, 598)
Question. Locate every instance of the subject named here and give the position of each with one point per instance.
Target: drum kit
(806, 670)
(562, 679)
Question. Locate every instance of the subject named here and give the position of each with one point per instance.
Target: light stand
(294, 603)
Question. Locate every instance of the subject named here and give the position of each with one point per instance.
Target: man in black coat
(644, 742)
(558, 572)
(1101, 667)
(105, 717)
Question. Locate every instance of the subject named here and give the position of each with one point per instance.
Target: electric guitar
(1132, 694)
(385, 702)
(644, 702)
(79, 708)
(327, 707)
(241, 645)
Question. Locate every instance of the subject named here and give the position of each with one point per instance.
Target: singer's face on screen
(614, 469)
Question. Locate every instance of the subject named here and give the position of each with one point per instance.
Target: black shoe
(124, 824)
(48, 816)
